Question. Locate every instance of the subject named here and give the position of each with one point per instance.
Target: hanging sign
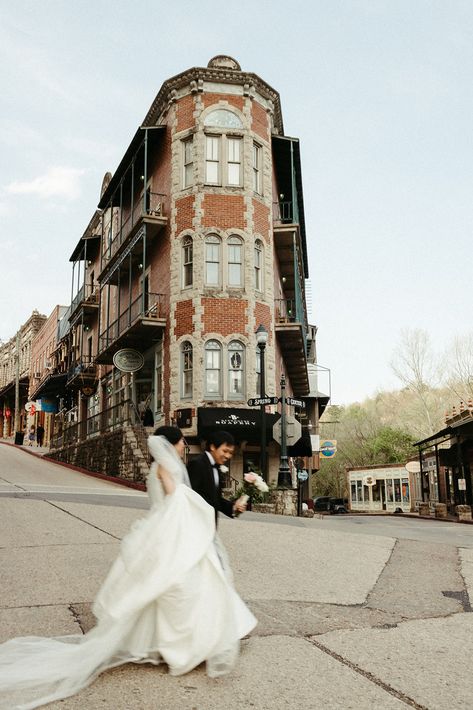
(128, 360)
(328, 448)
(369, 480)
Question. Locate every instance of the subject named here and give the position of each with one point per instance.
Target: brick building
(199, 238)
(15, 361)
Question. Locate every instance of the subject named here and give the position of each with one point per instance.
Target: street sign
(260, 401)
(328, 448)
(462, 484)
(302, 475)
(295, 402)
(293, 431)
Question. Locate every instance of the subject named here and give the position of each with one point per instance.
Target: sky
(379, 92)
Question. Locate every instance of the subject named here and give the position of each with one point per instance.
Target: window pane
(212, 382)
(234, 274)
(188, 175)
(212, 148)
(234, 150)
(211, 275)
(233, 173)
(211, 174)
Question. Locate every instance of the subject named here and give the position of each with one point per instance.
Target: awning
(52, 386)
(9, 389)
(244, 424)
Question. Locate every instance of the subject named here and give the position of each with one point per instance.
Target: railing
(285, 310)
(283, 212)
(155, 308)
(154, 208)
(84, 366)
(71, 432)
(87, 293)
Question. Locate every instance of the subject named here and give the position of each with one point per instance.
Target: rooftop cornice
(195, 76)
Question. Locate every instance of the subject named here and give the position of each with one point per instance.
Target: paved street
(354, 612)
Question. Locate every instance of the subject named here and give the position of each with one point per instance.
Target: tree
(459, 371)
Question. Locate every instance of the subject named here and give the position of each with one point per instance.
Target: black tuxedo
(201, 474)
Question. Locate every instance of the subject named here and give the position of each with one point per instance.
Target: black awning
(243, 424)
(52, 386)
(9, 389)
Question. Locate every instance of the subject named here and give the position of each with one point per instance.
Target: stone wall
(115, 453)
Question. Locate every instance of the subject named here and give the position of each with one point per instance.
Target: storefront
(383, 488)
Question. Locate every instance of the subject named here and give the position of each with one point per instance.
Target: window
(212, 160)
(187, 262)
(188, 163)
(158, 364)
(236, 361)
(223, 157)
(257, 152)
(212, 261)
(234, 161)
(258, 265)
(235, 262)
(186, 370)
(223, 119)
(213, 368)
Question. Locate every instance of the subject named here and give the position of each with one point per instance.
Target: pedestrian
(167, 598)
(39, 435)
(31, 436)
(204, 473)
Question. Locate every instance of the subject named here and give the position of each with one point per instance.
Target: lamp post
(261, 340)
(284, 473)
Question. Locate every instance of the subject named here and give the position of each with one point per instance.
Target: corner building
(199, 239)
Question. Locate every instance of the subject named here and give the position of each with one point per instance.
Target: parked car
(338, 505)
(322, 503)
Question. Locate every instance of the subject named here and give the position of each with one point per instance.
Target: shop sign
(369, 480)
(46, 405)
(328, 449)
(128, 360)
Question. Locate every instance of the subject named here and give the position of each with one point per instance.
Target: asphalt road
(353, 611)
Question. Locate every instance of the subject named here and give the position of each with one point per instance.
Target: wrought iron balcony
(83, 373)
(85, 302)
(152, 214)
(138, 326)
(291, 334)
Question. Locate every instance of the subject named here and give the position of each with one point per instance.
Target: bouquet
(253, 487)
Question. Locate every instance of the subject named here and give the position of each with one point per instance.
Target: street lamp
(261, 340)
(284, 473)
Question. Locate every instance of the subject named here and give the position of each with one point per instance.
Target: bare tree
(414, 365)
(459, 376)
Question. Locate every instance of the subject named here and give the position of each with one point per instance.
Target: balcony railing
(84, 369)
(155, 309)
(285, 311)
(154, 210)
(283, 212)
(87, 294)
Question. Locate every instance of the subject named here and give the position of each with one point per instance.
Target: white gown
(168, 597)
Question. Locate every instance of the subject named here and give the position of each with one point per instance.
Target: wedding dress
(168, 598)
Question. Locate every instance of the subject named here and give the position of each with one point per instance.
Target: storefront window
(353, 491)
(359, 491)
(389, 490)
(405, 490)
(397, 490)
(376, 491)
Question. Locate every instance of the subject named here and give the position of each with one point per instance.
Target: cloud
(56, 182)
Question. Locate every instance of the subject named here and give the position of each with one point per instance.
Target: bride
(167, 598)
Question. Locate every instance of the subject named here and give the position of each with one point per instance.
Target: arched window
(187, 262)
(212, 260)
(258, 265)
(213, 369)
(235, 262)
(223, 119)
(236, 370)
(186, 369)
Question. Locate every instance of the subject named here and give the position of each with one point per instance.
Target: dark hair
(217, 438)
(172, 433)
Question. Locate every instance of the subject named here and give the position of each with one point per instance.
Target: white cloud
(56, 182)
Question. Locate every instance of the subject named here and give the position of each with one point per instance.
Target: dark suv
(330, 505)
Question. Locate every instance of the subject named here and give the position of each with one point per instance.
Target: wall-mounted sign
(462, 484)
(328, 448)
(412, 466)
(128, 360)
(369, 480)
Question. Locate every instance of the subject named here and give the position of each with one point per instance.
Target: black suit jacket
(202, 480)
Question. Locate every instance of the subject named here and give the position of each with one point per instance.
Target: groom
(204, 473)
